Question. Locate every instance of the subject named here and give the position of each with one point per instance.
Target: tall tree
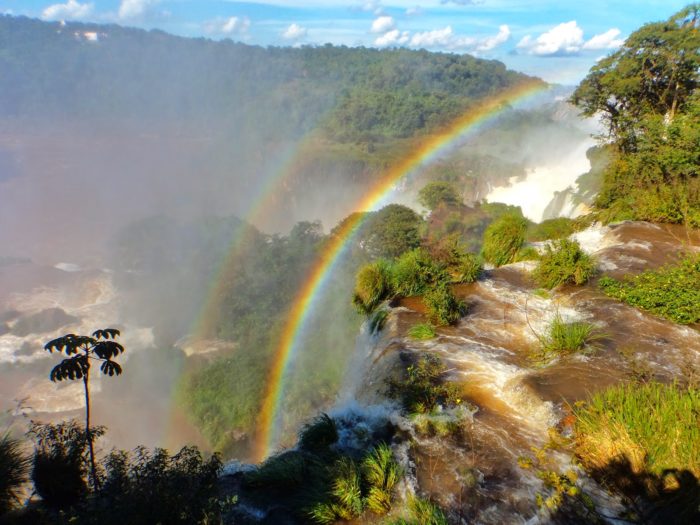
(81, 351)
(653, 73)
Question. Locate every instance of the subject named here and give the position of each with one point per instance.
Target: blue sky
(556, 39)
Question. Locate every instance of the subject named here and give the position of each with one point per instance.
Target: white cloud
(295, 32)
(227, 26)
(491, 42)
(71, 10)
(607, 40)
(383, 24)
(436, 38)
(564, 39)
(415, 11)
(392, 38)
(372, 6)
(130, 9)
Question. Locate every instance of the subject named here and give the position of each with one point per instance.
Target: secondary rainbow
(433, 147)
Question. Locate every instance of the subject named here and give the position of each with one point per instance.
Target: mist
(130, 165)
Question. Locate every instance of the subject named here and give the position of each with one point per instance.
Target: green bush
(318, 435)
(345, 496)
(415, 272)
(381, 473)
(13, 472)
(423, 386)
(565, 262)
(442, 305)
(552, 229)
(503, 239)
(422, 332)
(672, 292)
(372, 286)
(466, 268)
(421, 512)
(436, 193)
(60, 462)
(567, 338)
(154, 487)
(653, 426)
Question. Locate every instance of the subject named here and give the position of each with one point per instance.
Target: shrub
(653, 426)
(672, 292)
(424, 387)
(318, 435)
(392, 231)
(466, 268)
(503, 239)
(381, 472)
(564, 263)
(60, 462)
(442, 305)
(422, 332)
(566, 338)
(422, 512)
(345, 497)
(13, 472)
(552, 229)
(436, 193)
(372, 286)
(415, 271)
(283, 471)
(154, 487)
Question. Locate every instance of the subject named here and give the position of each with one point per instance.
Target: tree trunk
(88, 434)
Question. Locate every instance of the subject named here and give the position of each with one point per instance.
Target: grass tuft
(422, 332)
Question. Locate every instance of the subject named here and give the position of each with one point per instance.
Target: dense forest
(357, 93)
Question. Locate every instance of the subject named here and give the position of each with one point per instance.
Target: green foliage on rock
(563, 262)
(393, 230)
(647, 94)
(438, 193)
(503, 239)
(552, 229)
(444, 308)
(415, 272)
(653, 426)
(421, 512)
(672, 292)
(373, 284)
(422, 332)
(423, 386)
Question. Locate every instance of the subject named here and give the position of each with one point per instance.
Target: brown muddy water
(517, 399)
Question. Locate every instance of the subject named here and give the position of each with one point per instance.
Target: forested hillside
(109, 71)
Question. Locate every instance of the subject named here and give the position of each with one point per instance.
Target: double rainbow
(303, 305)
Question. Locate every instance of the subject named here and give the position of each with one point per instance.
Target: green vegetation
(422, 332)
(652, 426)
(503, 239)
(438, 193)
(100, 348)
(567, 338)
(552, 229)
(672, 292)
(321, 483)
(372, 286)
(423, 386)
(416, 272)
(563, 262)
(421, 512)
(13, 472)
(392, 231)
(443, 306)
(647, 94)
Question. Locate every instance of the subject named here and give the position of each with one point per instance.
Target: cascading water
(539, 188)
(517, 401)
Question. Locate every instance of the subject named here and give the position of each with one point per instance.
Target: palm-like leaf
(13, 472)
(111, 368)
(106, 333)
(74, 368)
(107, 349)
